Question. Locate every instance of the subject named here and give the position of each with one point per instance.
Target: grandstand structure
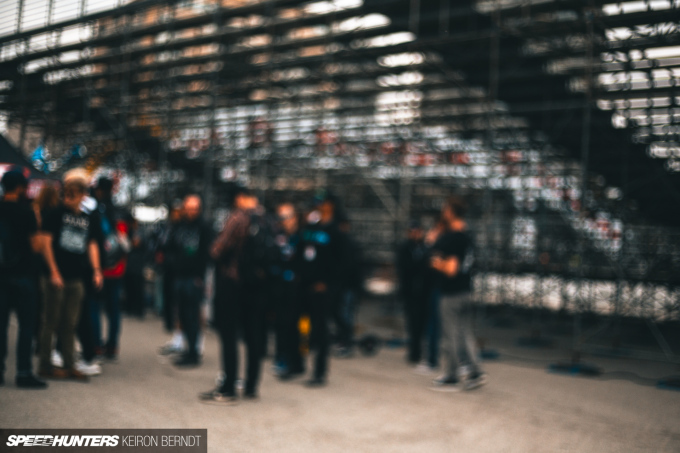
(558, 119)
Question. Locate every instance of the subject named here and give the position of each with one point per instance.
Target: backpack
(113, 247)
(258, 252)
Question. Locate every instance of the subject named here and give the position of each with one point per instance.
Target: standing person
(286, 276)
(321, 248)
(187, 254)
(452, 259)
(18, 242)
(116, 245)
(350, 286)
(412, 268)
(169, 307)
(71, 246)
(135, 302)
(237, 308)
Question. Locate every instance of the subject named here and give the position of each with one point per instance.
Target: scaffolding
(559, 119)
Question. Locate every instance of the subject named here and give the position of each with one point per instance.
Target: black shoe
(250, 395)
(446, 384)
(30, 382)
(475, 380)
(218, 397)
(187, 360)
(316, 382)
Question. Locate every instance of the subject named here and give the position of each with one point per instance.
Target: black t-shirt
(460, 245)
(17, 225)
(321, 254)
(71, 236)
(187, 248)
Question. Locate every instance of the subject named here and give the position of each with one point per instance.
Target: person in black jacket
(286, 279)
(322, 258)
(187, 253)
(412, 268)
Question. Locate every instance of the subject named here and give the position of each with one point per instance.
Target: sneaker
(475, 380)
(446, 384)
(170, 348)
(30, 382)
(187, 361)
(56, 359)
(316, 382)
(91, 369)
(111, 355)
(425, 369)
(53, 373)
(76, 375)
(218, 397)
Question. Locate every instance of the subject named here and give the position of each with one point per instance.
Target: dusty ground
(371, 404)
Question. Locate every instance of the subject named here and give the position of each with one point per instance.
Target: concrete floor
(371, 405)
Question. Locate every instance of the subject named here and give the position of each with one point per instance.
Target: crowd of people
(65, 258)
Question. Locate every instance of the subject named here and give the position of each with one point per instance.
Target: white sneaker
(425, 370)
(56, 359)
(88, 369)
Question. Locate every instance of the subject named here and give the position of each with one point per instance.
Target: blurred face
(192, 207)
(288, 218)
(326, 209)
(73, 196)
(415, 234)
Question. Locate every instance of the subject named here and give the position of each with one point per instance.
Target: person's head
(48, 198)
(454, 209)
(75, 188)
(244, 199)
(103, 191)
(287, 217)
(325, 204)
(415, 231)
(192, 207)
(14, 184)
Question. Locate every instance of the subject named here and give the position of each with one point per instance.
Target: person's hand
(319, 287)
(56, 280)
(98, 279)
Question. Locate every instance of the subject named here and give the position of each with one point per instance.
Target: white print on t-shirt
(73, 240)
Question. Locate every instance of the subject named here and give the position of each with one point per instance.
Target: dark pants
(18, 294)
(110, 296)
(189, 295)
(134, 294)
(433, 327)
(342, 318)
(415, 309)
(319, 310)
(169, 302)
(458, 339)
(239, 310)
(85, 330)
(288, 309)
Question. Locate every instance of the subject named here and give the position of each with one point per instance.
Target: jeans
(433, 327)
(60, 315)
(189, 294)
(458, 340)
(111, 298)
(18, 293)
(238, 309)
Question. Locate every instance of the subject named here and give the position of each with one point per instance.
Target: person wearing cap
(322, 259)
(412, 272)
(18, 242)
(71, 245)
